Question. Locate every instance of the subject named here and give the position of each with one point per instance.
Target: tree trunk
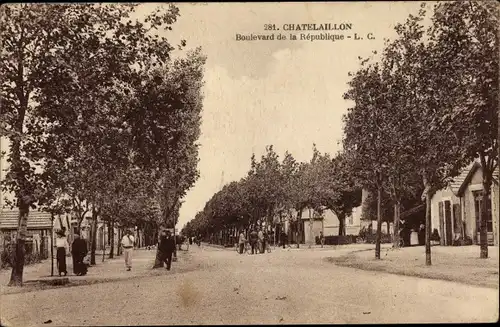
(111, 239)
(483, 230)
(341, 224)
(397, 212)
(487, 166)
(428, 256)
(109, 232)
(60, 221)
(159, 256)
(119, 242)
(94, 237)
(69, 226)
(297, 228)
(379, 223)
(18, 255)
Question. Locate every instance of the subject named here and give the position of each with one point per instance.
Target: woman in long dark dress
(61, 245)
(79, 251)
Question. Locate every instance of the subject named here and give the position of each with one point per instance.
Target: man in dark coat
(79, 251)
(284, 239)
(253, 240)
(167, 247)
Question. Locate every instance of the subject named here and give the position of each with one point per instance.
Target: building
(326, 222)
(39, 227)
(455, 209)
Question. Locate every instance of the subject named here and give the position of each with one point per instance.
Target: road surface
(219, 286)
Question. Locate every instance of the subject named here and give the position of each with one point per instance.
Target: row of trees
(422, 110)
(275, 191)
(428, 107)
(100, 118)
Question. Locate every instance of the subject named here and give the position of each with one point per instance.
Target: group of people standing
(195, 239)
(78, 253)
(257, 239)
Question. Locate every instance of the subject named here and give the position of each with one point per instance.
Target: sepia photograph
(267, 163)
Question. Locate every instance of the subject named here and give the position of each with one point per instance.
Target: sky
(282, 93)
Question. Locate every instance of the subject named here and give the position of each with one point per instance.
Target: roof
(36, 219)
(413, 210)
(459, 183)
(464, 175)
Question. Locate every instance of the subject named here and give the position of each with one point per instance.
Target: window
(351, 220)
(478, 203)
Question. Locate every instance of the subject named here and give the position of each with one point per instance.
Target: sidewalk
(452, 263)
(109, 270)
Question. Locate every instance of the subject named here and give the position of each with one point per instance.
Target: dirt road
(218, 286)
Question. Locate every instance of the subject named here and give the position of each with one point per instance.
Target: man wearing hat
(128, 242)
(61, 245)
(79, 251)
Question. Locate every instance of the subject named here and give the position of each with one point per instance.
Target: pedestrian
(260, 241)
(421, 234)
(167, 247)
(78, 252)
(128, 247)
(321, 238)
(241, 241)
(283, 238)
(190, 240)
(266, 242)
(253, 240)
(61, 245)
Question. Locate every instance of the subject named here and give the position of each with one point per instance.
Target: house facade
(326, 222)
(456, 209)
(39, 227)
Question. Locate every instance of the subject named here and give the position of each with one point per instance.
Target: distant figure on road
(79, 251)
(283, 239)
(260, 241)
(128, 247)
(167, 247)
(421, 235)
(321, 238)
(266, 243)
(190, 240)
(253, 240)
(62, 245)
(241, 241)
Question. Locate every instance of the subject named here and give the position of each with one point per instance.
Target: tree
(436, 148)
(337, 189)
(465, 42)
(403, 178)
(289, 172)
(42, 42)
(366, 133)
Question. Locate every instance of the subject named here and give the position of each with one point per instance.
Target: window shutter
(457, 219)
(441, 223)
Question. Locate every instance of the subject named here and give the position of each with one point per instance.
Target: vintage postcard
(249, 163)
